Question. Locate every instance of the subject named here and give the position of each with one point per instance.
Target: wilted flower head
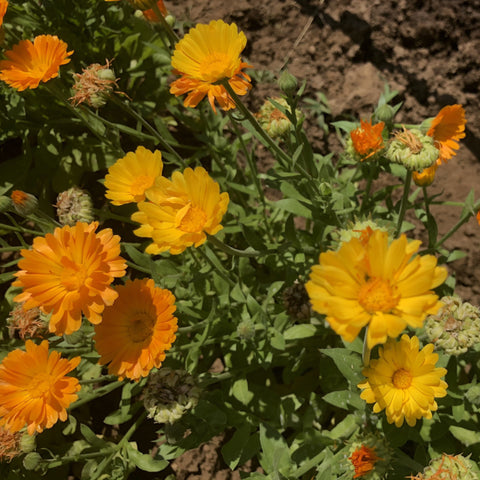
(366, 140)
(9, 445)
(27, 323)
(447, 128)
(74, 205)
(404, 381)
(297, 302)
(456, 326)
(448, 467)
(206, 55)
(23, 203)
(94, 85)
(273, 120)
(30, 63)
(169, 394)
(412, 149)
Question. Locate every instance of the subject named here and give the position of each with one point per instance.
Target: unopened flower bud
(5, 203)
(74, 205)
(246, 329)
(288, 83)
(32, 461)
(273, 120)
(384, 113)
(169, 394)
(24, 203)
(449, 467)
(412, 149)
(425, 177)
(456, 326)
(170, 19)
(28, 443)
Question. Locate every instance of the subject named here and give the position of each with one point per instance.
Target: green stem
(138, 267)
(172, 36)
(11, 249)
(148, 127)
(230, 250)
(216, 266)
(452, 231)
(21, 230)
(261, 133)
(107, 214)
(366, 351)
(431, 240)
(99, 392)
(132, 429)
(103, 378)
(193, 328)
(403, 204)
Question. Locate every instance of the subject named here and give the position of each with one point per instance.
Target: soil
(348, 50)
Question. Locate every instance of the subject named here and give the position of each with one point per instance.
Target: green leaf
(299, 331)
(240, 391)
(144, 461)
(345, 399)
(91, 438)
(349, 363)
(293, 206)
(276, 340)
(467, 437)
(275, 456)
(232, 450)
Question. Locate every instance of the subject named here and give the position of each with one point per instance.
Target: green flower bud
(74, 205)
(28, 443)
(170, 19)
(456, 326)
(385, 113)
(32, 461)
(448, 467)
(5, 203)
(412, 149)
(246, 329)
(24, 203)
(273, 120)
(169, 394)
(288, 83)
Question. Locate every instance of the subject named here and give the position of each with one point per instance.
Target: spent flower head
(27, 323)
(448, 467)
(74, 205)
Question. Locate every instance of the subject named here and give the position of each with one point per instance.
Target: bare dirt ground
(348, 50)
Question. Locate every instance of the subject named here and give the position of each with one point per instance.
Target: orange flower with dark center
(3, 10)
(136, 330)
(30, 63)
(34, 389)
(68, 273)
(447, 128)
(363, 460)
(367, 139)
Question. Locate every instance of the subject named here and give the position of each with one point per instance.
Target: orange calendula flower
(34, 388)
(404, 381)
(180, 212)
(367, 139)
(136, 330)
(30, 63)
(68, 273)
(131, 176)
(425, 177)
(447, 128)
(206, 55)
(151, 15)
(363, 460)
(3, 10)
(478, 217)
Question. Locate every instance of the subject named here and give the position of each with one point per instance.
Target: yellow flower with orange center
(30, 63)
(367, 139)
(404, 381)
(206, 55)
(3, 10)
(363, 460)
(181, 211)
(447, 128)
(68, 273)
(136, 330)
(370, 281)
(131, 176)
(34, 388)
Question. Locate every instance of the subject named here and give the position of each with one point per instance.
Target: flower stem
(230, 250)
(404, 202)
(99, 392)
(172, 36)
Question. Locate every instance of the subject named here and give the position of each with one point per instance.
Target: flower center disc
(376, 295)
(140, 328)
(73, 276)
(191, 219)
(402, 378)
(216, 66)
(140, 184)
(40, 385)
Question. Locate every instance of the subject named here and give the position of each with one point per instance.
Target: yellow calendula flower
(206, 55)
(3, 10)
(181, 211)
(29, 63)
(372, 281)
(404, 381)
(136, 330)
(34, 388)
(131, 176)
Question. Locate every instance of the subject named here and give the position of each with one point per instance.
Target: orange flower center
(363, 460)
(402, 379)
(140, 184)
(376, 295)
(191, 219)
(140, 328)
(73, 275)
(216, 66)
(40, 385)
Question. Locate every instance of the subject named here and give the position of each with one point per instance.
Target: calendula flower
(372, 282)
(131, 176)
(34, 388)
(404, 381)
(180, 212)
(425, 177)
(74, 205)
(68, 273)
(9, 445)
(206, 55)
(27, 323)
(151, 15)
(449, 467)
(367, 139)
(363, 460)
(136, 330)
(23, 203)
(478, 217)
(30, 63)
(3, 10)
(447, 128)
